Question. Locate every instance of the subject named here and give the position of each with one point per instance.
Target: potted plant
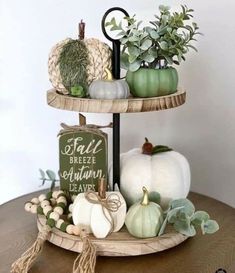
(148, 53)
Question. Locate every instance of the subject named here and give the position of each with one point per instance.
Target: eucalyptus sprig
(185, 220)
(164, 42)
(49, 175)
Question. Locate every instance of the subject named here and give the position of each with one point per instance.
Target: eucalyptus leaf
(52, 185)
(124, 40)
(187, 205)
(154, 197)
(132, 58)
(198, 217)
(153, 51)
(185, 228)
(134, 66)
(51, 175)
(133, 39)
(163, 227)
(154, 34)
(209, 227)
(163, 45)
(124, 61)
(147, 57)
(146, 44)
(42, 173)
(133, 50)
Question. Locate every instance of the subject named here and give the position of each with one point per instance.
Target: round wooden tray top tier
(117, 244)
(130, 105)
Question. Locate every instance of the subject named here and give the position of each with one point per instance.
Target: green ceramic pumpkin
(144, 219)
(146, 82)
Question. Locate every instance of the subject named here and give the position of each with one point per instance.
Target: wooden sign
(83, 159)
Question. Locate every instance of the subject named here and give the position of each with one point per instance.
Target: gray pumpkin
(109, 89)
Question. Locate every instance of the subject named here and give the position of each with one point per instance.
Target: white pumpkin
(167, 173)
(91, 215)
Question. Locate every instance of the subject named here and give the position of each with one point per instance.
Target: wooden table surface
(201, 254)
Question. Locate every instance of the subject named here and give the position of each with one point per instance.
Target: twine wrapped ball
(78, 62)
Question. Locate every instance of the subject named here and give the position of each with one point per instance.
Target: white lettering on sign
(82, 160)
(82, 174)
(74, 145)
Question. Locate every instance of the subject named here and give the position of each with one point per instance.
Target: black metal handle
(104, 18)
(116, 43)
(116, 117)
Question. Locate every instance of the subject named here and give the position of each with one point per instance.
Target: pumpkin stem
(147, 147)
(145, 200)
(109, 75)
(102, 188)
(81, 27)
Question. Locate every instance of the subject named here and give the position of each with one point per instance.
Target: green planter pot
(146, 82)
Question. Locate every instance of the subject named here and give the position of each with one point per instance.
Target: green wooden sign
(83, 160)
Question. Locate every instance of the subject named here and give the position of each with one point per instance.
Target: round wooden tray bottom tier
(130, 105)
(117, 244)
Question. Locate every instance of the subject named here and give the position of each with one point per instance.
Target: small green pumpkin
(146, 82)
(109, 88)
(144, 219)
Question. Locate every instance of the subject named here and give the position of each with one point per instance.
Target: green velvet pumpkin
(146, 82)
(144, 219)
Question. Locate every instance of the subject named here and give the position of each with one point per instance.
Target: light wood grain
(201, 254)
(130, 105)
(116, 244)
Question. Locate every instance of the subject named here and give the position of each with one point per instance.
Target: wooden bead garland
(53, 206)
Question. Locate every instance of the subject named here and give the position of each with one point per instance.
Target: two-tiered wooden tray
(120, 243)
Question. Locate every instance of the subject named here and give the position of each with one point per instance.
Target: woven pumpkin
(78, 62)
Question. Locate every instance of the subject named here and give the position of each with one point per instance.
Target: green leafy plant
(164, 42)
(185, 220)
(49, 175)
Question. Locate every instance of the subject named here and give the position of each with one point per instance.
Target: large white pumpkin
(167, 173)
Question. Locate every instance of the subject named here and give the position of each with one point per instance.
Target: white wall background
(203, 129)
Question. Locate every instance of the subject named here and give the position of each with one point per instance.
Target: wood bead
(35, 201)
(45, 203)
(54, 215)
(62, 200)
(76, 230)
(60, 193)
(71, 207)
(42, 197)
(28, 206)
(53, 201)
(73, 197)
(33, 209)
(54, 194)
(69, 229)
(59, 210)
(59, 223)
(46, 209)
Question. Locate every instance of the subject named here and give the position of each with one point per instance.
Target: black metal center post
(116, 116)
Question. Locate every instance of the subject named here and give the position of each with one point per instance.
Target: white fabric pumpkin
(92, 218)
(167, 173)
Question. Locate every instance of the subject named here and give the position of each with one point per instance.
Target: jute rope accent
(86, 260)
(110, 204)
(99, 56)
(87, 128)
(23, 264)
